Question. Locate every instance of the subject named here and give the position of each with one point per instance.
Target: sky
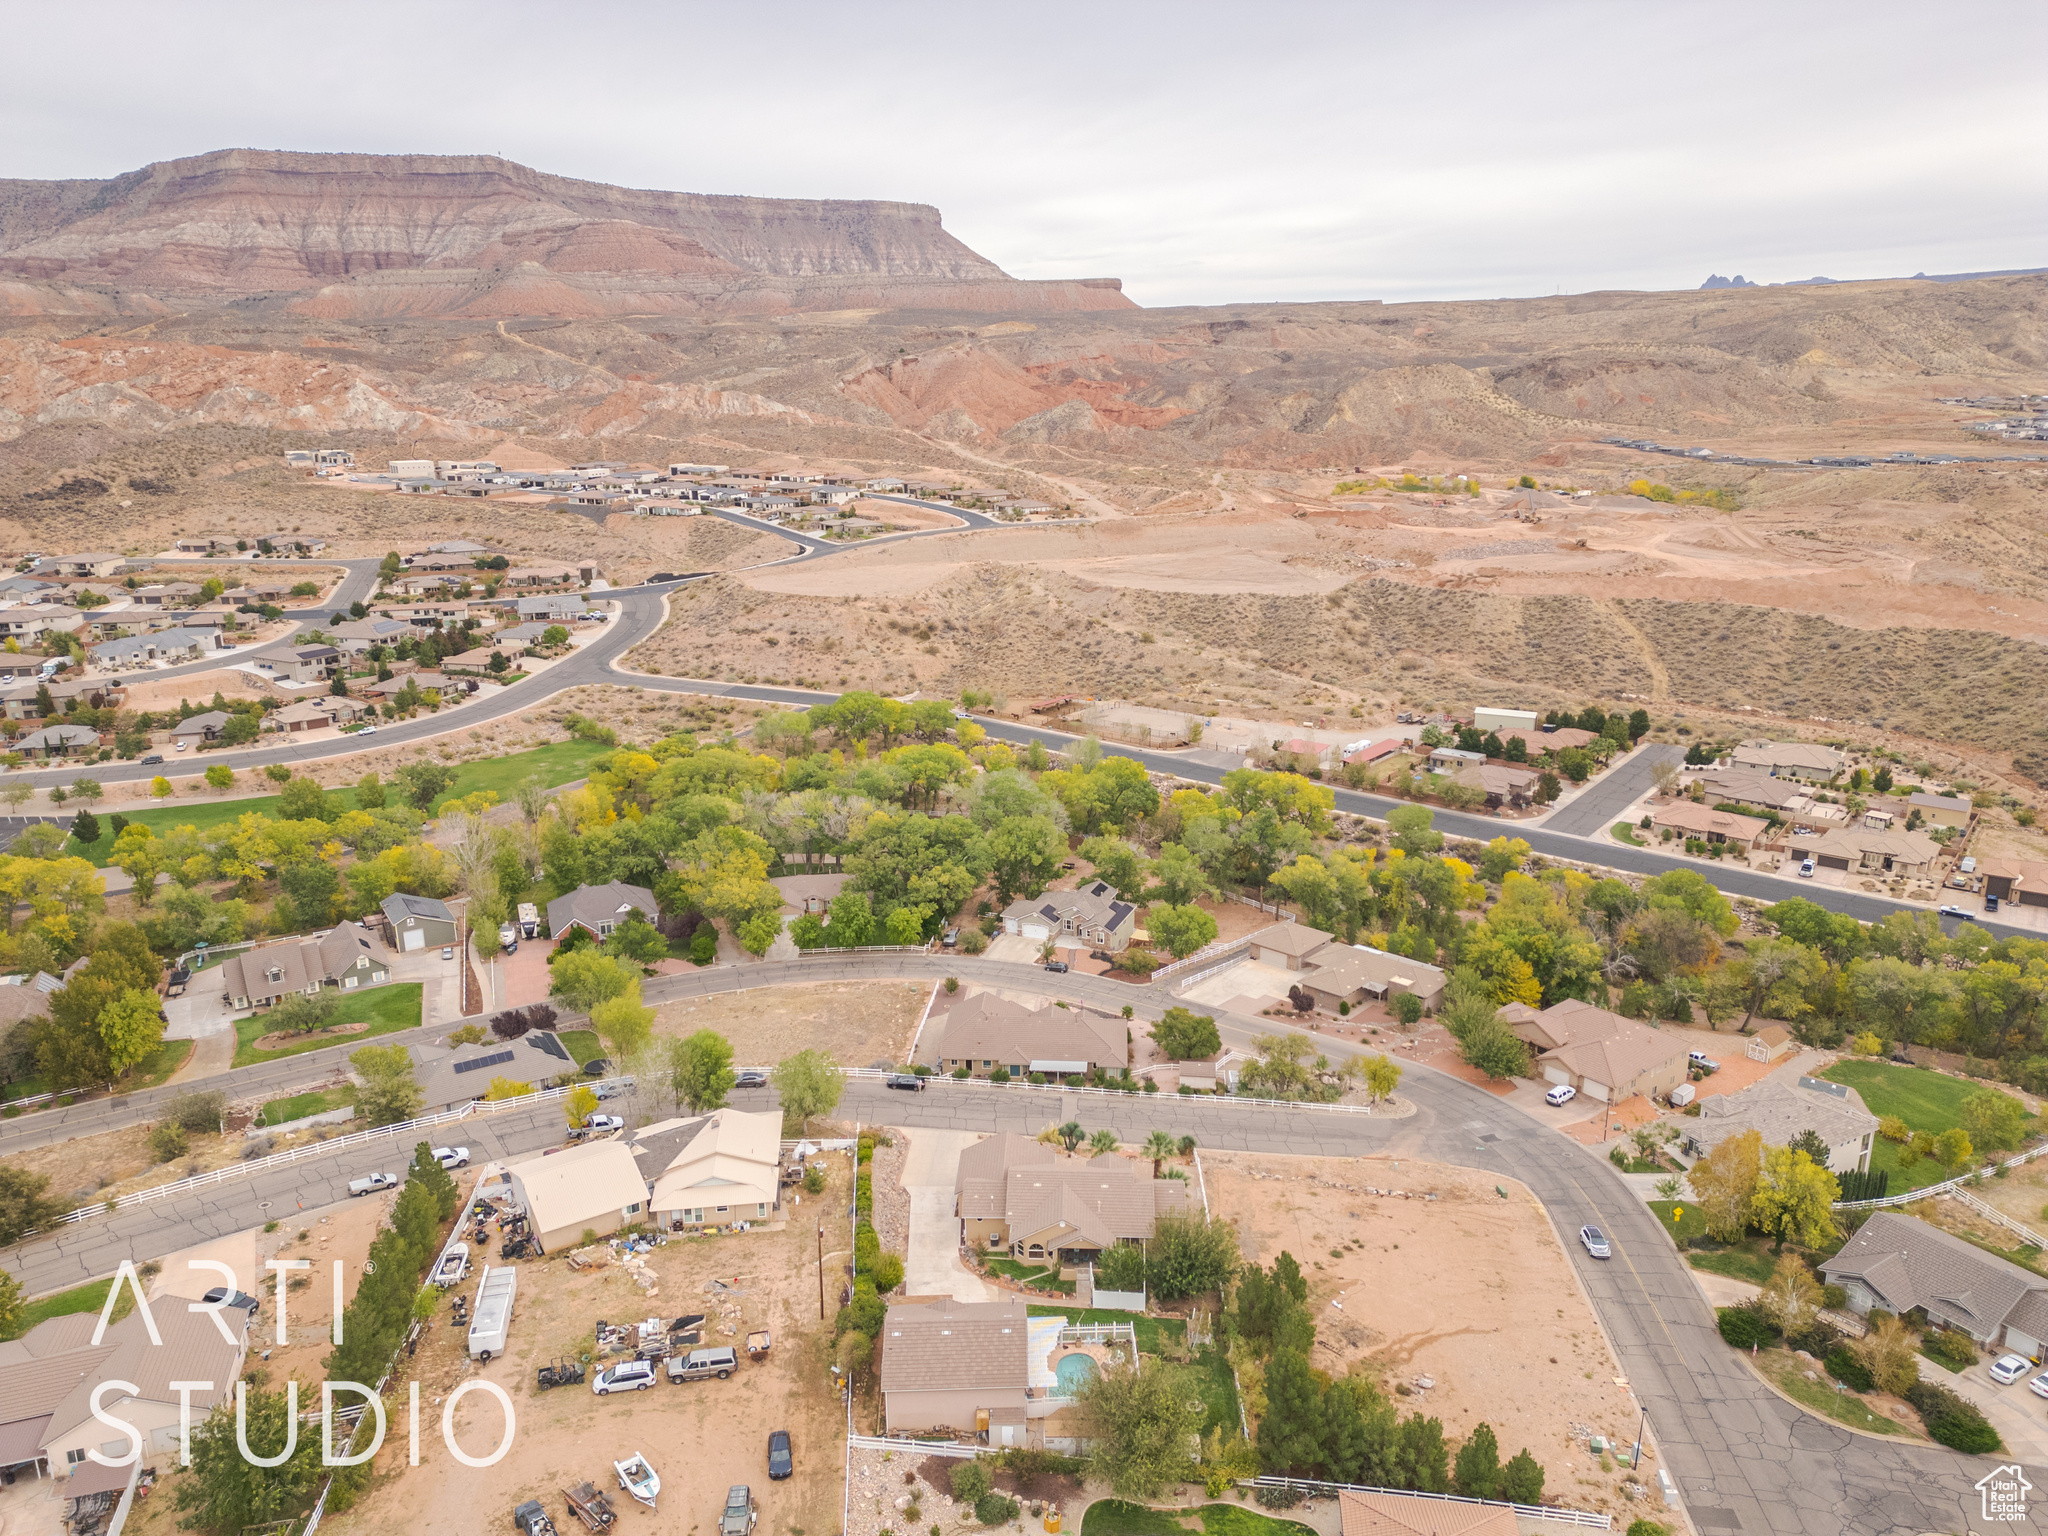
(1204, 153)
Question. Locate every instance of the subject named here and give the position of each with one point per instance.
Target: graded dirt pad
(1469, 1290)
(855, 1023)
(700, 1437)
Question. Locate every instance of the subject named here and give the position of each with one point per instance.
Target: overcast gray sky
(1202, 152)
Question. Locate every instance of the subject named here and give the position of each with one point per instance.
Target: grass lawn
(582, 1044)
(1116, 1517)
(1737, 1264)
(1151, 1330)
(1689, 1225)
(1926, 1101)
(1789, 1376)
(1219, 1391)
(557, 763)
(1751, 1259)
(299, 1105)
(1627, 834)
(386, 1009)
(1031, 1274)
(89, 1297)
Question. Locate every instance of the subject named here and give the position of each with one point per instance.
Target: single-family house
(555, 607)
(1357, 973)
(1753, 789)
(1940, 810)
(300, 664)
(1501, 783)
(1791, 759)
(458, 1077)
(1870, 849)
(292, 543)
(1615, 1066)
(1016, 1194)
(342, 711)
(956, 1366)
(1289, 945)
(58, 741)
(1451, 759)
(2024, 881)
(1689, 820)
(391, 687)
(1900, 1263)
(595, 1188)
(1769, 1043)
(1375, 1512)
(84, 567)
(202, 546)
(198, 728)
(26, 625)
(417, 922)
(985, 1031)
(538, 576)
(166, 594)
(358, 635)
(1089, 918)
(478, 662)
(50, 1376)
(304, 715)
(726, 1168)
(1780, 1112)
(1561, 1023)
(343, 958)
(598, 909)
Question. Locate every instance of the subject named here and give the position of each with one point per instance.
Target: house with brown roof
(1768, 1043)
(343, 958)
(1899, 1263)
(985, 1031)
(1791, 759)
(1375, 1512)
(2017, 880)
(1540, 741)
(1288, 945)
(1617, 1065)
(1870, 850)
(1016, 1194)
(1561, 1023)
(1752, 789)
(956, 1365)
(1688, 820)
(1357, 973)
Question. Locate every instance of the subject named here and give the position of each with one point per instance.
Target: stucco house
(598, 909)
(1017, 1195)
(984, 1032)
(1089, 918)
(1612, 1067)
(1780, 1112)
(1899, 1263)
(956, 1365)
(595, 1188)
(458, 1077)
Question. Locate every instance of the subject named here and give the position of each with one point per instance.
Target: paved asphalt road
(1747, 1460)
(1601, 802)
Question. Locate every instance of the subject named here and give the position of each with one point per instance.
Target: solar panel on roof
(495, 1059)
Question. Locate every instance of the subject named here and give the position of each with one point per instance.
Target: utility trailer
(491, 1320)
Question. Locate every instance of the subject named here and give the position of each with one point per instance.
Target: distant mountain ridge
(1715, 280)
(363, 236)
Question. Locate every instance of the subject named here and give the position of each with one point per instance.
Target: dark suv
(780, 1462)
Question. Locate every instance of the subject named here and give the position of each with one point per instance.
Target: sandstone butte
(387, 236)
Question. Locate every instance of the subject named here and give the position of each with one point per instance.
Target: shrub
(197, 1111)
(1951, 1421)
(704, 946)
(1000, 1075)
(1834, 1297)
(168, 1140)
(888, 1272)
(1407, 1007)
(1848, 1370)
(1277, 1498)
(1947, 1347)
(1745, 1327)
(971, 1482)
(973, 941)
(1817, 1338)
(995, 1509)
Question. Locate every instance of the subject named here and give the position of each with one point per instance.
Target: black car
(780, 1462)
(153, 759)
(1056, 965)
(221, 1294)
(909, 1082)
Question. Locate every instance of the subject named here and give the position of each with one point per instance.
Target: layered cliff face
(348, 236)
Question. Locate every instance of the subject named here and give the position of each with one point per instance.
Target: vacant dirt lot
(856, 1023)
(701, 1437)
(1470, 1291)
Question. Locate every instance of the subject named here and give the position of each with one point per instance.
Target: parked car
(700, 1363)
(1703, 1061)
(1563, 1093)
(751, 1079)
(1950, 909)
(1596, 1242)
(909, 1082)
(1806, 869)
(448, 953)
(370, 1183)
(221, 1295)
(780, 1462)
(950, 938)
(626, 1376)
(603, 1123)
(2007, 1369)
(738, 1518)
(1990, 903)
(1056, 965)
(452, 1157)
(152, 760)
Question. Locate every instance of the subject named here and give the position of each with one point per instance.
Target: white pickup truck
(370, 1183)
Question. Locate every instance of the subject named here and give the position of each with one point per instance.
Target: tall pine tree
(1290, 1433)
(1477, 1470)
(427, 1170)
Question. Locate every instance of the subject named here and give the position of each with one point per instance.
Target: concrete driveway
(933, 1266)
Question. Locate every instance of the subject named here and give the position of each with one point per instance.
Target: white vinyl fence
(1934, 1190)
(1526, 1511)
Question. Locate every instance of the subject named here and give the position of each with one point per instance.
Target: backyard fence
(1206, 961)
(924, 1447)
(1932, 1191)
(1523, 1511)
(1013, 1086)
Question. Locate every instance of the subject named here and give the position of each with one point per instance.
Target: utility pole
(821, 1271)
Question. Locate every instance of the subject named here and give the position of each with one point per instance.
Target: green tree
(1495, 1050)
(809, 1085)
(10, 1306)
(1159, 1146)
(1290, 1433)
(1024, 852)
(1793, 1199)
(422, 781)
(1191, 1256)
(303, 800)
(220, 776)
(1994, 1120)
(1115, 861)
(1690, 892)
(300, 1013)
(700, 1070)
(25, 1203)
(427, 1172)
(1183, 930)
(1724, 1184)
(1413, 830)
(388, 1093)
(85, 827)
(624, 1023)
(1178, 878)
(1142, 1418)
(1382, 1076)
(225, 1492)
(1183, 1035)
(579, 1104)
(1477, 1472)
(1521, 1480)
(584, 978)
(635, 940)
(1952, 1148)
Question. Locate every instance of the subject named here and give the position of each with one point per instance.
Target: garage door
(414, 939)
(1037, 931)
(1553, 1073)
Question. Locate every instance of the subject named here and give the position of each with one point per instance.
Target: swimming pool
(1073, 1372)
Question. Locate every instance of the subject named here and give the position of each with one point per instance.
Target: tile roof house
(1614, 1066)
(1872, 849)
(2022, 880)
(206, 727)
(598, 909)
(47, 1379)
(1353, 973)
(1015, 1193)
(1791, 759)
(1688, 820)
(1753, 788)
(1089, 918)
(464, 1074)
(1779, 1111)
(1562, 1023)
(596, 1187)
(302, 716)
(985, 1031)
(1287, 944)
(1379, 1513)
(1900, 1262)
(343, 958)
(956, 1365)
(58, 741)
